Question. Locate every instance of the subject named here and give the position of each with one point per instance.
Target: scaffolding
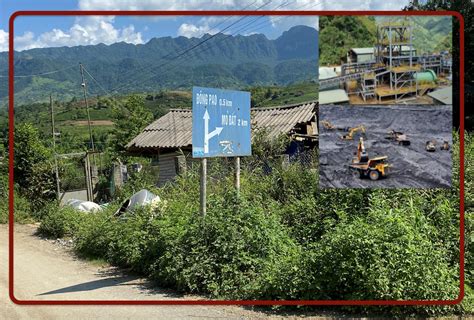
(395, 71)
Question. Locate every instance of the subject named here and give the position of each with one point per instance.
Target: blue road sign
(221, 123)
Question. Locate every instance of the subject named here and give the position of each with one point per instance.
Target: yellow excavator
(374, 168)
(352, 131)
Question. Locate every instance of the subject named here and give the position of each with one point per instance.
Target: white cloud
(3, 40)
(84, 31)
(205, 24)
(191, 30)
(100, 29)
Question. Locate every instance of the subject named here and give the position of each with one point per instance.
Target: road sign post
(221, 128)
(203, 192)
(237, 175)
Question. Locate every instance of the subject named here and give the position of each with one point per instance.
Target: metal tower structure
(394, 48)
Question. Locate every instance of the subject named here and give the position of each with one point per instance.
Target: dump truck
(431, 146)
(374, 168)
(398, 137)
(445, 146)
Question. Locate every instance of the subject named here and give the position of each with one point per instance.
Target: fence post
(87, 169)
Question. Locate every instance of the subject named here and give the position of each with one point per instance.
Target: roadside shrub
(132, 240)
(222, 254)
(390, 254)
(21, 204)
(21, 207)
(93, 234)
(58, 222)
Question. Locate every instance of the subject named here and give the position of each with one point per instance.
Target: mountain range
(165, 63)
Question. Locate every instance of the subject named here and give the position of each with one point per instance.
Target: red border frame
(234, 302)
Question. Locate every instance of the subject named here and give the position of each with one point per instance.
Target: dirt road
(45, 269)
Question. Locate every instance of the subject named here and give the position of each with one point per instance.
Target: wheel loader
(374, 168)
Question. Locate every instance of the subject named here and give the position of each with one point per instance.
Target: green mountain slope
(225, 61)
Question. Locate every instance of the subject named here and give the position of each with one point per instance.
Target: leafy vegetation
(284, 238)
(337, 34)
(130, 119)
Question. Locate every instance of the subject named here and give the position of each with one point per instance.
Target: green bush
(21, 204)
(94, 234)
(132, 240)
(58, 222)
(21, 207)
(392, 253)
(224, 253)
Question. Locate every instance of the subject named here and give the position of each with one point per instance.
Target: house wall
(167, 167)
(172, 163)
(365, 58)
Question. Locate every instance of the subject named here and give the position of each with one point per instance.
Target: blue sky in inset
(48, 31)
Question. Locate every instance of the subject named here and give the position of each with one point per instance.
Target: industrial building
(391, 71)
(168, 140)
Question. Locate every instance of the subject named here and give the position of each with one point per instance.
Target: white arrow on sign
(208, 135)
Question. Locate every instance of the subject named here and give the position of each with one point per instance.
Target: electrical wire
(40, 74)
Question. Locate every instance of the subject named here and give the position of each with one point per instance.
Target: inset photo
(385, 60)
(378, 146)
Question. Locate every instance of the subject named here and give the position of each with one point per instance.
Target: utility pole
(83, 84)
(58, 190)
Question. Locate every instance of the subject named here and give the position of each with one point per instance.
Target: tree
(130, 119)
(466, 8)
(33, 170)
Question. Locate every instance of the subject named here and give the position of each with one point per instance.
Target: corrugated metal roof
(327, 73)
(174, 129)
(370, 50)
(278, 120)
(444, 95)
(333, 96)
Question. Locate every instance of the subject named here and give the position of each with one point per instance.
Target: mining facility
(390, 72)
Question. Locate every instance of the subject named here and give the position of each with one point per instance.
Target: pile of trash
(141, 198)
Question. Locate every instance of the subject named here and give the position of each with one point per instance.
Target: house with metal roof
(359, 55)
(169, 139)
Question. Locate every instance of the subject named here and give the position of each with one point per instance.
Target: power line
(40, 74)
(95, 80)
(179, 55)
(209, 46)
(147, 67)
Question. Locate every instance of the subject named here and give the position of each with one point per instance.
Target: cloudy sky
(39, 32)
